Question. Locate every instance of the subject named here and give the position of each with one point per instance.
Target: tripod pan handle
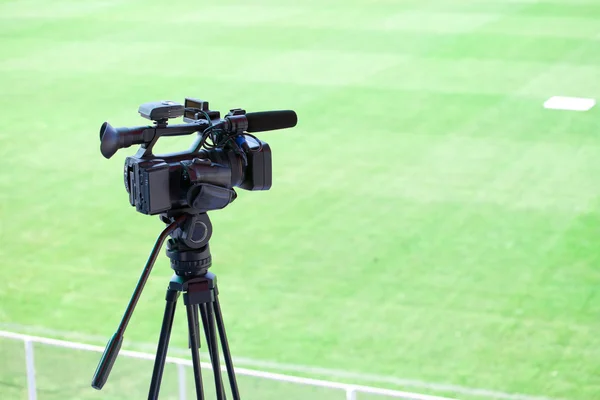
(107, 361)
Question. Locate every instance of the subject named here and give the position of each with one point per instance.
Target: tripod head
(188, 247)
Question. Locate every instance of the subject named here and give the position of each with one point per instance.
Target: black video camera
(224, 155)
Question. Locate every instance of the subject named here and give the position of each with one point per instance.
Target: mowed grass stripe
(472, 45)
(561, 78)
(569, 27)
(513, 175)
(577, 9)
(514, 47)
(324, 68)
(30, 10)
(571, 20)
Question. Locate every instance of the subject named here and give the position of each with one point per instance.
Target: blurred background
(431, 227)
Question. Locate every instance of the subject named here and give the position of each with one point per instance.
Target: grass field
(429, 220)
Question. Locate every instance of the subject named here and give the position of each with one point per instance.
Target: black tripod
(188, 250)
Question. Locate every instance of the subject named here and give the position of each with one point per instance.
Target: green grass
(429, 220)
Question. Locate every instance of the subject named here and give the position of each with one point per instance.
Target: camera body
(223, 156)
(195, 182)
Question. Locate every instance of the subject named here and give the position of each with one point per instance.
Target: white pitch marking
(569, 103)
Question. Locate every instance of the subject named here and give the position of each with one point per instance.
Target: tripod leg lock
(172, 296)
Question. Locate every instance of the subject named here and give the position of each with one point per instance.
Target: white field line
(284, 367)
(569, 103)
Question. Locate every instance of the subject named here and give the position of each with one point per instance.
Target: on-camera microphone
(270, 120)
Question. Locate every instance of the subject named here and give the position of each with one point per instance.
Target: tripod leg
(163, 343)
(197, 323)
(211, 338)
(195, 343)
(206, 331)
(226, 354)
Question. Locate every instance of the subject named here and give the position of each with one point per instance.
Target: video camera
(182, 187)
(223, 156)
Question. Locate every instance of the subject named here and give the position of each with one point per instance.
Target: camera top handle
(236, 121)
(113, 139)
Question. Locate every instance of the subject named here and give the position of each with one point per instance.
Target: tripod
(189, 252)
